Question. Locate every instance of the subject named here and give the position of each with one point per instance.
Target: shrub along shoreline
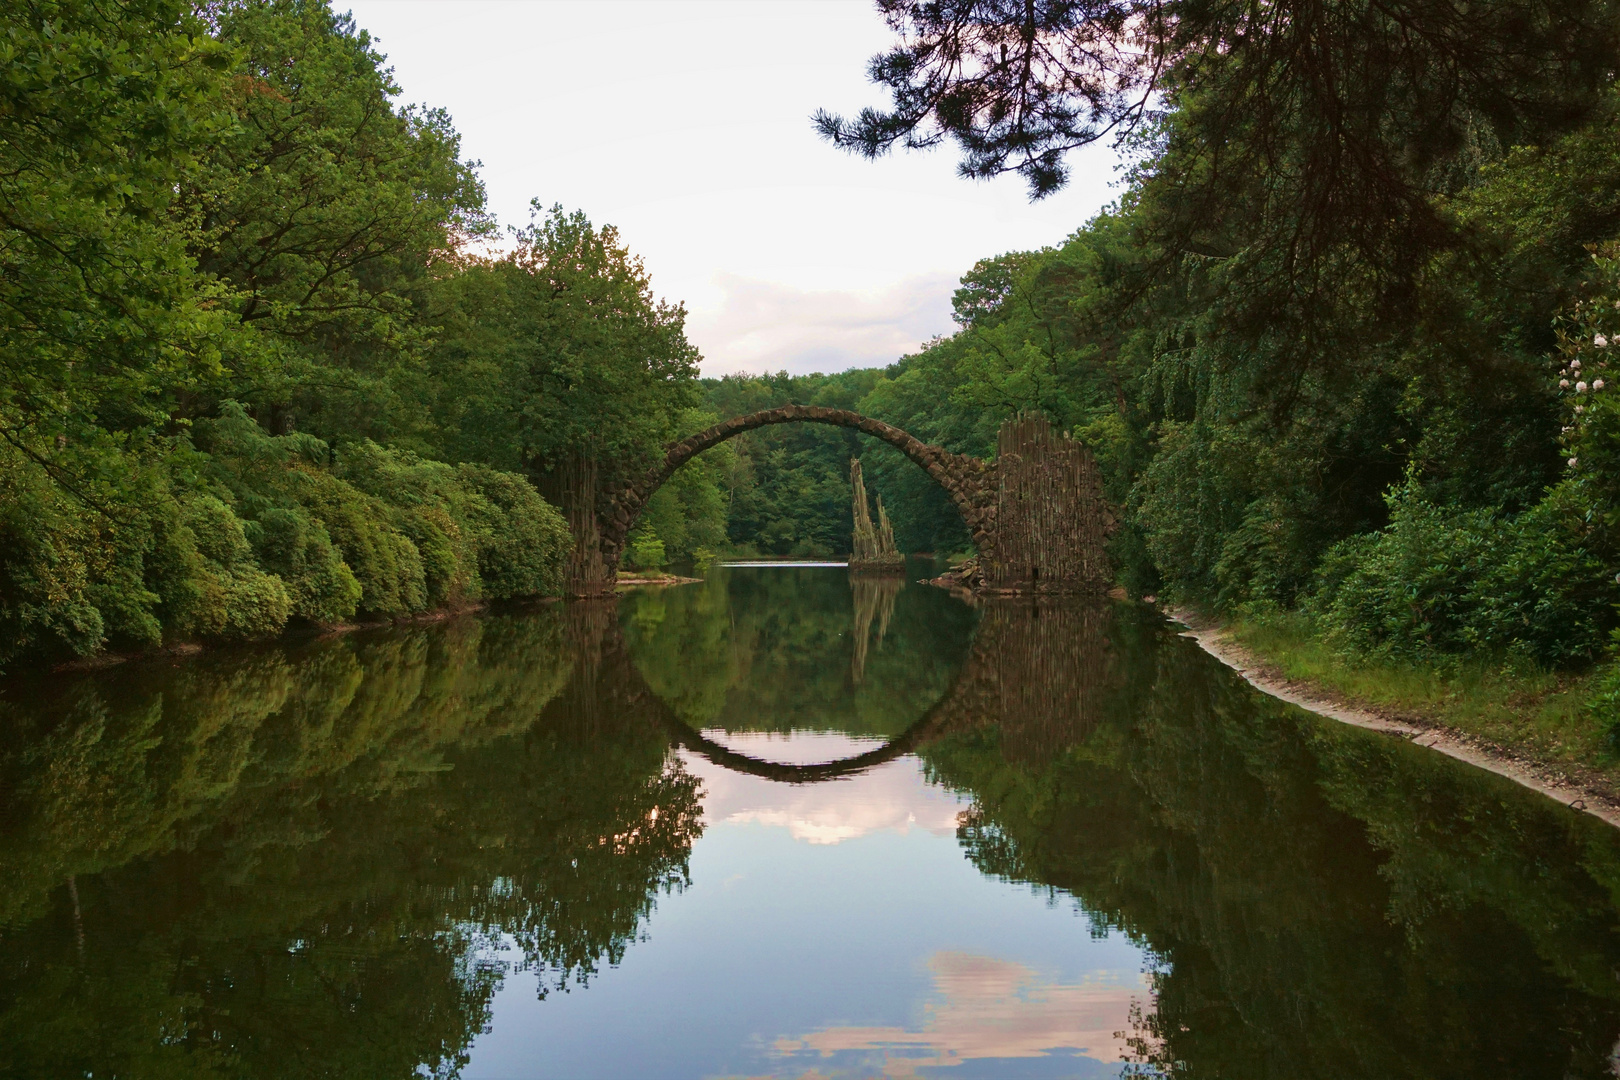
(272, 533)
(293, 631)
(1537, 727)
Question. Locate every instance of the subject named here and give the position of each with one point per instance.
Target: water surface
(780, 823)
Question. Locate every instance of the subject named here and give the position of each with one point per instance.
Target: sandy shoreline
(671, 579)
(1576, 793)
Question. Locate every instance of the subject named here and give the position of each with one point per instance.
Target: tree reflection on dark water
(1323, 901)
(322, 859)
(301, 862)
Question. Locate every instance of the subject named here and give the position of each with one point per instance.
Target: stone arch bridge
(1036, 513)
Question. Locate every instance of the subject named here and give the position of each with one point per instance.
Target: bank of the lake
(290, 635)
(189, 647)
(1533, 727)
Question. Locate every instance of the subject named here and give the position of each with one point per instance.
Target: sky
(687, 126)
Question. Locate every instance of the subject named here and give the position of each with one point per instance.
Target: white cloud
(763, 326)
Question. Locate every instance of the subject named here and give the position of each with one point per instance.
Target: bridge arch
(738, 762)
(967, 480)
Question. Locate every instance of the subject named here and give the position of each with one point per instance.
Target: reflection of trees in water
(1323, 901)
(772, 650)
(301, 862)
(1036, 673)
(874, 601)
(587, 625)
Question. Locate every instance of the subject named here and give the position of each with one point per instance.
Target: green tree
(325, 212)
(103, 318)
(557, 357)
(104, 322)
(200, 207)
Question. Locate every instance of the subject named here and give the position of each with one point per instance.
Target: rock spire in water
(874, 545)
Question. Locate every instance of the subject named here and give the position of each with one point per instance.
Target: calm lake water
(780, 823)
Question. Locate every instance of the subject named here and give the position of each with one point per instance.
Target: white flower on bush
(1597, 384)
(1573, 462)
(1580, 387)
(1563, 384)
(1575, 364)
(1579, 409)
(1600, 341)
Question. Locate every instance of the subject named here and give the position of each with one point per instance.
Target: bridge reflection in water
(1038, 671)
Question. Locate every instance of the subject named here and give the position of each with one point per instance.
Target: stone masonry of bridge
(1036, 514)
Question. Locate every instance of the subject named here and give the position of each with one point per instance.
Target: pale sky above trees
(688, 126)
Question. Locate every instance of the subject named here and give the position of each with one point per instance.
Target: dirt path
(1578, 793)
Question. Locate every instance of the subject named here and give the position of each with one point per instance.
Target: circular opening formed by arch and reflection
(783, 649)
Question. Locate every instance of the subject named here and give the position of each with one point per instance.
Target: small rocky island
(874, 552)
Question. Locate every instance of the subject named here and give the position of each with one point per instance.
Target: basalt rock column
(1051, 520)
(874, 544)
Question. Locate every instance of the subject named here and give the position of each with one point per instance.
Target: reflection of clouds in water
(992, 1009)
(893, 796)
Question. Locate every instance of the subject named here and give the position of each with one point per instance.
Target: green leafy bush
(298, 548)
(427, 503)
(1439, 580)
(523, 540)
(387, 565)
(646, 549)
(1603, 706)
(238, 599)
(289, 473)
(253, 531)
(172, 565)
(407, 532)
(49, 553)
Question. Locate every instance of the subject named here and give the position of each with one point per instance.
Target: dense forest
(244, 381)
(1340, 345)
